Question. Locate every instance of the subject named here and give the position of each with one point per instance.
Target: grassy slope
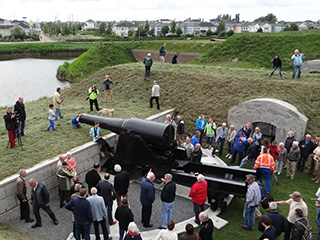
(257, 50)
(7, 232)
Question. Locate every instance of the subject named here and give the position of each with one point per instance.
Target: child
(281, 158)
(51, 118)
(276, 64)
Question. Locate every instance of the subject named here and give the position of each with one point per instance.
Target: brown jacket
(21, 188)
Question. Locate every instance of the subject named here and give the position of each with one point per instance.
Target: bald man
(40, 199)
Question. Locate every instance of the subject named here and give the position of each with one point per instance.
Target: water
(29, 78)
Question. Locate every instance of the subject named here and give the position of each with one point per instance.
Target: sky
(108, 10)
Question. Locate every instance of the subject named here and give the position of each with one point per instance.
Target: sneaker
(55, 222)
(36, 225)
(29, 220)
(102, 154)
(230, 157)
(278, 173)
(114, 222)
(217, 150)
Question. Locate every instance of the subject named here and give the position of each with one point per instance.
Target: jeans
(166, 213)
(234, 156)
(302, 163)
(197, 209)
(20, 130)
(121, 233)
(104, 145)
(279, 166)
(51, 125)
(267, 173)
(109, 210)
(287, 233)
(295, 68)
(245, 160)
(230, 147)
(58, 113)
(76, 125)
(157, 101)
(274, 70)
(209, 141)
(83, 227)
(103, 227)
(147, 73)
(249, 217)
(220, 140)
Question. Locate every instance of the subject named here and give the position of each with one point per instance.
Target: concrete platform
(182, 213)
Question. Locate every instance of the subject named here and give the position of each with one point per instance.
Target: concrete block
(44, 173)
(52, 181)
(14, 213)
(11, 188)
(5, 217)
(312, 66)
(80, 168)
(8, 203)
(3, 192)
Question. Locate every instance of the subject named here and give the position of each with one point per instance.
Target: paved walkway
(182, 213)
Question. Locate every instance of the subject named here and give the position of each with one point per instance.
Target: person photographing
(11, 119)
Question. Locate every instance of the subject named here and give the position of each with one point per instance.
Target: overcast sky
(106, 10)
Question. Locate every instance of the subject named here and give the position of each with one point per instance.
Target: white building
(122, 29)
(90, 25)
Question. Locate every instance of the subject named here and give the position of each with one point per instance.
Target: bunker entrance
(268, 130)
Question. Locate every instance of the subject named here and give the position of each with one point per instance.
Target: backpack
(265, 201)
(307, 234)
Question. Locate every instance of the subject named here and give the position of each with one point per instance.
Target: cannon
(144, 144)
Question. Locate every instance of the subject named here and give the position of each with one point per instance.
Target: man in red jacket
(198, 195)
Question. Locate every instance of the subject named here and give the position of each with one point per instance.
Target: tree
(130, 33)
(147, 26)
(65, 30)
(173, 26)
(102, 28)
(221, 27)
(294, 27)
(58, 29)
(164, 30)
(18, 33)
(269, 18)
(237, 19)
(230, 33)
(179, 31)
(151, 32)
(141, 32)
(209, 33)
(260, 30)
(109, 28)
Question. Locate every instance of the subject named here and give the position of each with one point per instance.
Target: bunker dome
(274, 117)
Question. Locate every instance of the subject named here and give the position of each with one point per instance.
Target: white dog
(104, 111)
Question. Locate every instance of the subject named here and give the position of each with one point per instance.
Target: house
(166, 21)
(205, 26)
(235, 27)
(190, 26)
(254, 27)
(89, 25)
(244, 27)
(266, 27)
(277, 27)
(5, 29)
(158, 27)
(122, 29)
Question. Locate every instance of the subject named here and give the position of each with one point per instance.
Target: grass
(192, 89)
(257, 50)
(7, 232)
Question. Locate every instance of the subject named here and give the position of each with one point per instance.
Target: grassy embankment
(7, 232)
(255, 50)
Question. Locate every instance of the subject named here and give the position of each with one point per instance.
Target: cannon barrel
(155, 133)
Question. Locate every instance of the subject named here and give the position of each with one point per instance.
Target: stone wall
(45, 172)
(282, 115)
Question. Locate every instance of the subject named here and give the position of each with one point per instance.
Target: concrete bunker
(274, 117)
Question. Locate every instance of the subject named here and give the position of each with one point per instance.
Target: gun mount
(144, 144)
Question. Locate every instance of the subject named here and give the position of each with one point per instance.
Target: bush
(230, 33)
(222, 34)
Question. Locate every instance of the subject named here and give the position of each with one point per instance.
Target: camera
(15, 114)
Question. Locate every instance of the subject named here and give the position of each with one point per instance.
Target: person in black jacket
(93, 177)
(40, 199)
(20, 111)
(10, 121)
(269, 231)
(196, 155)
(124, 216)
(106, 190)
(306, 147)
(252, 153)
(277, 220)
(276, 64)
(121, 183)
(168, 195)
(206, 227)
